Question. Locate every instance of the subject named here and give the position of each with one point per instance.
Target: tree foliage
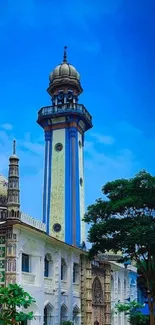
(124, 220)
(133, 313)
(12, 297)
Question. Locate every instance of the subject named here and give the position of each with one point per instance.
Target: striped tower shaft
(47, 179)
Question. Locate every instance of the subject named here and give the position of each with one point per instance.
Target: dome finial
(14, 147)
(65, 54)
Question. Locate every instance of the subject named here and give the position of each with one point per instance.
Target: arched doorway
(48, 314)
(97, 302)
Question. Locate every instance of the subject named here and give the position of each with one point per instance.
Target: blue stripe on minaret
(49, 183)
(78, 230)
(45, 183)
(68, 223)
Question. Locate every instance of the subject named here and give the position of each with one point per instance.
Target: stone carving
(3, 199)
(97, 292)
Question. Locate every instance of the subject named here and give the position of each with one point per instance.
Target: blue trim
(68, 221)
(45, 184)
(49, 183)
(72, 133)
(78, 223)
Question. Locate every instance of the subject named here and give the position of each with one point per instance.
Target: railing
(48, 284)
(28, 278)
(63, 284)
(32, 222)
(69, 107)
(76, 287)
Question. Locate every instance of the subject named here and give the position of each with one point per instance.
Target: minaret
(13, 186)
(64, 124)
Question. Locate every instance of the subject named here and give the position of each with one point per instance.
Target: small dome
(64, 70)
(3, 190)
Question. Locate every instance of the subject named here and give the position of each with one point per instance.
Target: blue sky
(111, 43)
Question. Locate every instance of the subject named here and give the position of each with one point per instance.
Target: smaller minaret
(13, 186)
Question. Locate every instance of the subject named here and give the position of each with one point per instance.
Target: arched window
(48, 315)
(76, 315)
(48, 266)
(9, 249)
(132, 289)
(14, 265)
(75, 273)
(125, 288)
(63, 270)
(97, 292)
(63, 314)
(119, 287)
(9, 265)
(112, 287)
(14, 249)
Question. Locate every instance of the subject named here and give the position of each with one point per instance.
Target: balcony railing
(63, 284)
(48, 284)
(65, 108)
(28, 278)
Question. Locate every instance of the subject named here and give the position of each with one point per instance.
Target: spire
(14, 147)
(13, 186)
(65, 54)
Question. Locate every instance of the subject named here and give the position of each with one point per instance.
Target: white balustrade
(33, 222)
(28, 278)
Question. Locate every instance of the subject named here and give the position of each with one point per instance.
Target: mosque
(49, 258)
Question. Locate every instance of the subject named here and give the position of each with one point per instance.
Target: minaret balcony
(65, 110)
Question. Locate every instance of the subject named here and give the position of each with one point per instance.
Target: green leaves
(11, 297)
(132, 310)
(124, 221)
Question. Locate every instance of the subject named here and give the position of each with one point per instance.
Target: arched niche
(97, 292)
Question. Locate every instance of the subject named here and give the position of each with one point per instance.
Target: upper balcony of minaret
(67, 110)
(64, 89)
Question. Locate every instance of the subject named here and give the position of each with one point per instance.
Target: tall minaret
(13, 186)
(64, 124)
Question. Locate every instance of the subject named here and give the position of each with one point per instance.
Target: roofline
(55, 240)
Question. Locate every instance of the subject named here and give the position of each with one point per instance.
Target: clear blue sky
(111, 43)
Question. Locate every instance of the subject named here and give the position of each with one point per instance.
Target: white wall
(120, 290)
(49, 291)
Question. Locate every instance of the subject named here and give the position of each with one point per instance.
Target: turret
(13, 202)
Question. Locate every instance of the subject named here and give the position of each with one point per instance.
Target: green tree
(12, 297)
(132, 311)
(124, 221)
